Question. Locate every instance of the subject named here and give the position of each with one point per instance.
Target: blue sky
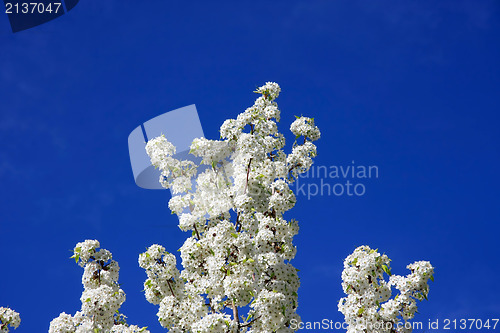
(409, 86)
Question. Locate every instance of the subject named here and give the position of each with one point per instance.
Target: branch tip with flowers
(8, 318)
(102, 296)
(369, 305)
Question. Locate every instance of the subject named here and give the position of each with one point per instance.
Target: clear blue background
(410, 86)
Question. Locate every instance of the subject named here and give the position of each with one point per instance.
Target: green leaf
(234, 235)
(432, 278)
(386, 270)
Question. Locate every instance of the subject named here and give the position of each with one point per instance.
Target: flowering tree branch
(238, 257)
(8, 317)
(101, 298)
(369, 306)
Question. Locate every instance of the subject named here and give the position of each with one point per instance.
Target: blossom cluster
(8, 317)
(101, 298)
(238, 256)
(369, 305)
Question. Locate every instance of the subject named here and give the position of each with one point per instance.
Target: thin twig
(171, 290)
(238, 223)
(235, 314)
(196, 230)
(250, 322)
(248, 173)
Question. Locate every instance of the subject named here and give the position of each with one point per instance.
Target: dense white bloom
(305, 127)
(270, 90)
(121, 328)
(368, 306)
(160, 150)
(213, 323)
(101, 298)
(8, 317)
(282, 198)
(63, 324)
(272, 308)
(84, 251)
(175, 174)
(212, 151)
(237, 255)
(300, 160)
(230, 129)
